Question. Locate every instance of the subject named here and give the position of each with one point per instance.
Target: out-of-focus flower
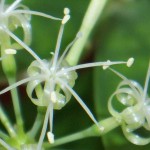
(135, 113)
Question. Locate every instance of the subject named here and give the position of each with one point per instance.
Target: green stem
(108, 124)
(93, 13)
(37, 123)
(16, 105)
(9, 68)
(4, 136)
(6, 122)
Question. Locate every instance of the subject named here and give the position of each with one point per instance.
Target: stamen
(107, 65)
(51, 116)
(66, 11)
(36, 13)
(11, 7)
(43, 129)
(65, 19)
(130, 62)
(17, 84)
(126, 80)
(13, 36)
(50, 137)
(146, 83)
(53, 97)
(79, 34)
(83, 105)
(60, 34)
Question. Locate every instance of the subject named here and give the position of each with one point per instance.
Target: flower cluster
(49, 82)
(136, 111)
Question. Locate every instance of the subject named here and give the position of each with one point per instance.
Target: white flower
(18, 15)
(136, 111)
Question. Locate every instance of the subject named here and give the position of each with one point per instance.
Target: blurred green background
(121, 32)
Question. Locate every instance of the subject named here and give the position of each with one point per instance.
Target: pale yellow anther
(53, 97)
(106, 65)
(65, 19)
(130, 62)
(10, 51)
(50, 137)
(66, 11)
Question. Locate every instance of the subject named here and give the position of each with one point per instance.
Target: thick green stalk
(6, 123)
(93, 13)
(9, 68)
(4, 136)
(108, 124)
(37, 123)
(16, 104)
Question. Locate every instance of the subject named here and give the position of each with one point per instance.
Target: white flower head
(136, 112)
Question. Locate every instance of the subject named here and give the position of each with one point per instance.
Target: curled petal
(38, 99)
(133, 117)
(19, 20)
(134, 138)
(134, 86)
(121, 94)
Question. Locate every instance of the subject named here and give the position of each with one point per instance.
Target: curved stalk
(93, 13)
(9, 68)
(93, 131)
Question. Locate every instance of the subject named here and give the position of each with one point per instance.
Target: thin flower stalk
(92, 131)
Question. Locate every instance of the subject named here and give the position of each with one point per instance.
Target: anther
(53, 97)
(130, 62)
(66, 11)
(10, 51)
(52, 53)
(50, 137)
(106, 65)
